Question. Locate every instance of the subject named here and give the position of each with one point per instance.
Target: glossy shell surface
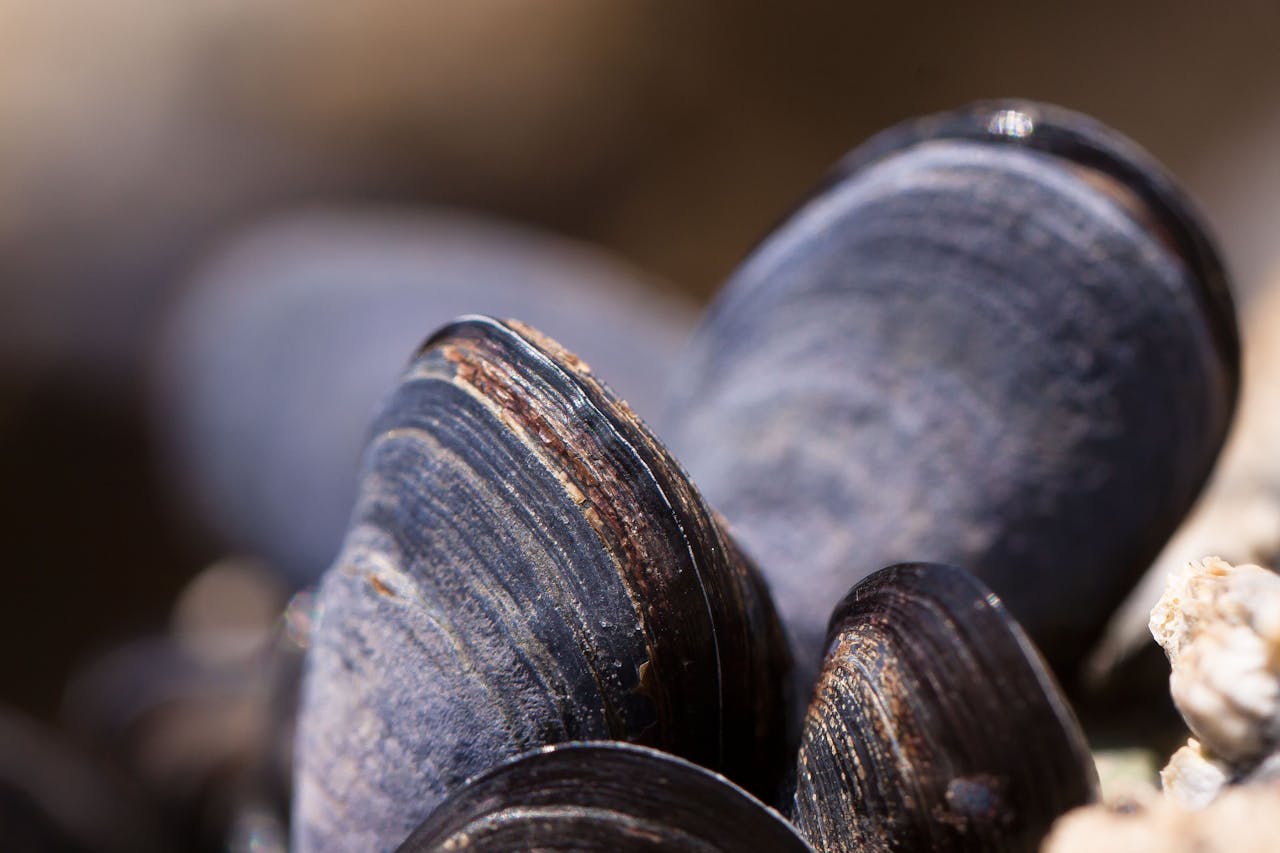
(605, 797)
(526, 566)
(935, 725)
(995, 338)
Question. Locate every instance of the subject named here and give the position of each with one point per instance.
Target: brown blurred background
(138, 136)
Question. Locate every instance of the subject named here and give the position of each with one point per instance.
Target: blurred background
(203, 204)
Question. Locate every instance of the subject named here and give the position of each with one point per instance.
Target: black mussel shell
(935, 725)
(605, 797)
(526, 566)
(997, 337)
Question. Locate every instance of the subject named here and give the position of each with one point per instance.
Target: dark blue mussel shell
(526, 566)
(997, 338)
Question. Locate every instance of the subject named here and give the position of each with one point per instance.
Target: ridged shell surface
(603, 797)
(995, 338)
(526, 566)
(935, 725)
(281, 348)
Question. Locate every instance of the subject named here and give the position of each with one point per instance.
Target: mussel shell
(997, 338)
(526, 566)
(283, 344)
(607, 797)
(935, 725)
(1102, 156)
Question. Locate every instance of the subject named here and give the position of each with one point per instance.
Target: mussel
(203, 715)
(1236, 518)
(526, 565)
(606, 797)
(935, 725)
(998, 338)
(283, 344)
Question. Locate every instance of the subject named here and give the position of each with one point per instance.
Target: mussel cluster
(996, 339)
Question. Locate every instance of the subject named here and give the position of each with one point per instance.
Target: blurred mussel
(281, 347)
(202, 715)
(996, 338)
(606, 797)
(935, 725)
(526, 566)
(60, 796)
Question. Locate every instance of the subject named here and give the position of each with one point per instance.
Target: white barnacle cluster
(1230, 825)
(1220, 627)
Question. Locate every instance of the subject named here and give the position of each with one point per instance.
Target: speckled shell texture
(1008, 352)
(525, 566)
(935, 725)
(603, 797)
